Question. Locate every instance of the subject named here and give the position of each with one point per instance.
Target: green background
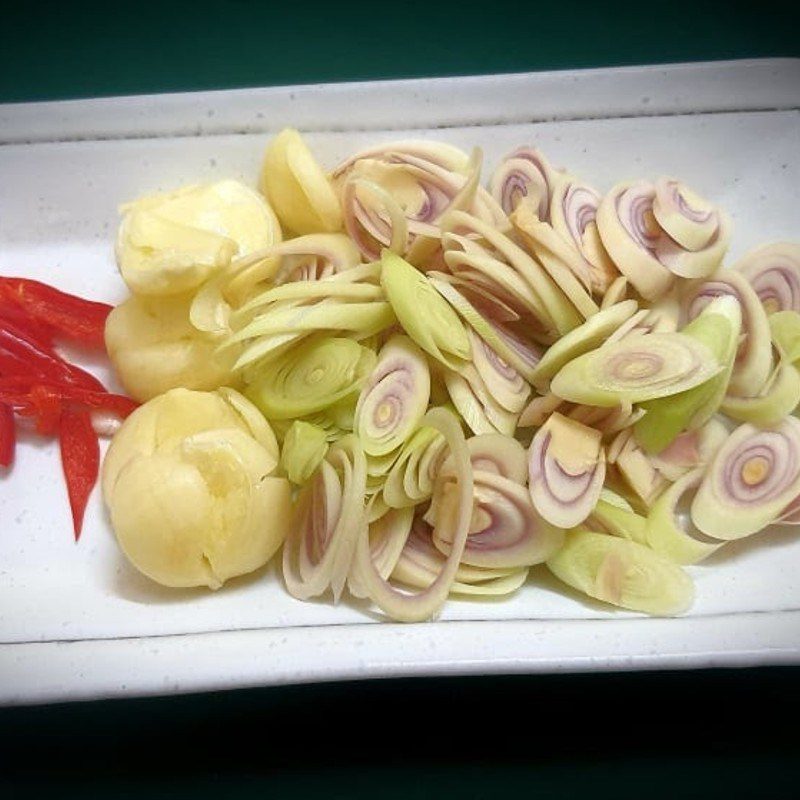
(690, 734)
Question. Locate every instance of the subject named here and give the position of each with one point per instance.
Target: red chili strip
(8, 435)
(16, 342)
(80, 460)
(73, 317)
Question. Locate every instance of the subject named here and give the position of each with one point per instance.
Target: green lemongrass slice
(669, 528)
(394, 398)
(564, 264)
(399, 605)
(309, 291)
(330, 516)
(304, 447)
(754, 356)
(311, 377)
(554, 303)
(324, 315)
(630, 234)
(623, 573)
(388, 534)
(424, 314)
(505, 530)
(504, 383)
(635, 468)
(581, 340)
(566, 469)
(777, 399)
(410, 480)
(785, 329)
(470, 314)
(619, 521)
(717, 327)
(421, 562)
(476, 404)
(754, 476)
(636, 369)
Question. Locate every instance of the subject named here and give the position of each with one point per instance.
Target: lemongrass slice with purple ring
(504, 383)
(754, 476)
(496, 453)
(566, 469)
(773, 270)
(630, 235)
(367, 228)
(573, 212)
(524, 173)
(581, 340)
(420, 563)
(636, 369)
(754, 357)
(404, 607)
(669, 526)
(387, 538)
(318, 552)
(394, 398)
(505, 531)
(410, 480)
(697, 233)
(623, 573)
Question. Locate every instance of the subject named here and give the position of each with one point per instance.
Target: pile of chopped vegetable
(423, 387)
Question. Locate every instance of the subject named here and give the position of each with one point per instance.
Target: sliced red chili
(11, 311)
(80, 459)
(73, 317)
(16, 342)
(8, 436)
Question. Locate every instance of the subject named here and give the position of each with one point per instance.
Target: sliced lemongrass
(566, 469)
(615, 293)
(394, 398)
(752, 479)
(310, 378)
(420, 563)
(318, 551)
(623, 573)
(635, 468)
(538, 410)
(773, 270)
(476, 404)
(785, 329)
(304, 448)
(504, 383)
(754, 357)
(630, 234)
(636, 369)
(505, 530)
(410, 480)
(618, 521)
(525, 173)
(776, 400)
(669, 526)
(388, 534)
(588, 336)
(405, 607)
(717, 327)
(424, 314)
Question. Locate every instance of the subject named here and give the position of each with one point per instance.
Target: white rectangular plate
(77, 622)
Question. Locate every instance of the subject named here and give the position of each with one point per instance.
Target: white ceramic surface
(76, 621)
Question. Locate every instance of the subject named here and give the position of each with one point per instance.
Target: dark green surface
(78, 49)
(696, 734)
(659, 735)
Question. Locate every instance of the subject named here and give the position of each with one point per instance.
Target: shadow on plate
(772, 538)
